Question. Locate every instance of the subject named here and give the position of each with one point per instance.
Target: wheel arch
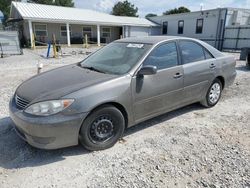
(222, 80)
(116, 105)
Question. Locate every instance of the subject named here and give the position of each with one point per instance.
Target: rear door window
(191, 52)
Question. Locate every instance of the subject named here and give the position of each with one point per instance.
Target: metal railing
(9, 43)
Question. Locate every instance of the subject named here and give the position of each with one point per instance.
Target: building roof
(199, 11)
(49, 13)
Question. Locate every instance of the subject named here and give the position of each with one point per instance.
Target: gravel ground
(189, 147)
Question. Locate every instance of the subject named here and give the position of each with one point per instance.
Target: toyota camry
(126, 82)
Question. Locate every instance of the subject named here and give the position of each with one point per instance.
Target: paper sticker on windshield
(130, 45)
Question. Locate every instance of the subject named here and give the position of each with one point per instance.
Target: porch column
(98, 36)
(68, 34)
(31, 33)
(123, 32)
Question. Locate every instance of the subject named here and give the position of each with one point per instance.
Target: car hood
(59, 82)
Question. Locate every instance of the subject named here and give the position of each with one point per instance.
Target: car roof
(150, 39)
(157, 39)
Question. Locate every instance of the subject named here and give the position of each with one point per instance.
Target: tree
(47, 2)
(125, 8)
(5, 8)
(64, 3)
(150, 15)
(176, 11)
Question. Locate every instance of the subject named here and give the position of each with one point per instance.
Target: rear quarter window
(208, 55)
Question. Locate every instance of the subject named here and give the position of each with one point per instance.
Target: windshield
(116, 58)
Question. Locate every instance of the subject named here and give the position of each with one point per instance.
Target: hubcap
(214, 93)
(102, 129)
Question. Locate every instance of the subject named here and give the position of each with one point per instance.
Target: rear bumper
(50, 132)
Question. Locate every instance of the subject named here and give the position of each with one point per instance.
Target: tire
(213, 94)
(102, 128)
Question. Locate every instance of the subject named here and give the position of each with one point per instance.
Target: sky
(160, 6)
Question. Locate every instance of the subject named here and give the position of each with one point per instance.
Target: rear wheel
(213, 94)
(102, 128)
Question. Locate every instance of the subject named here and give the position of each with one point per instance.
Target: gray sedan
(124, 83)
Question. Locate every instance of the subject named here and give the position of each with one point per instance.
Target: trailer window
(180, 27)
(199, 26)
(165, 28)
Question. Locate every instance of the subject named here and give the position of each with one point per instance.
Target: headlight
(47, 108)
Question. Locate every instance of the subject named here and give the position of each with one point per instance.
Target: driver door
(161, 92)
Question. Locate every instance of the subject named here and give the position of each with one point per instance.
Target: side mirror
(147, 70)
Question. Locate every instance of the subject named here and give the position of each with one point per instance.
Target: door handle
(178, 75)
(212, 66)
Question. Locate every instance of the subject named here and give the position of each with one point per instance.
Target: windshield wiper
(93, 69)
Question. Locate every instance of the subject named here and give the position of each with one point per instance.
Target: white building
(224, 28)
(70, 25)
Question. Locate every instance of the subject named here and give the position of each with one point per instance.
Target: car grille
(20, 102)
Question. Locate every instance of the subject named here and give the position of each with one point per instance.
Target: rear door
(199, 69)
(155, 94)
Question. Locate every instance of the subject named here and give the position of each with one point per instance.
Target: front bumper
(50, 132)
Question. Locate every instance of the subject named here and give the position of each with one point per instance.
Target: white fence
(9, 43)
(236, 38)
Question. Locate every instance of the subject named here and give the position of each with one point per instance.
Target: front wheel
(102, 128)
(213, 94)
